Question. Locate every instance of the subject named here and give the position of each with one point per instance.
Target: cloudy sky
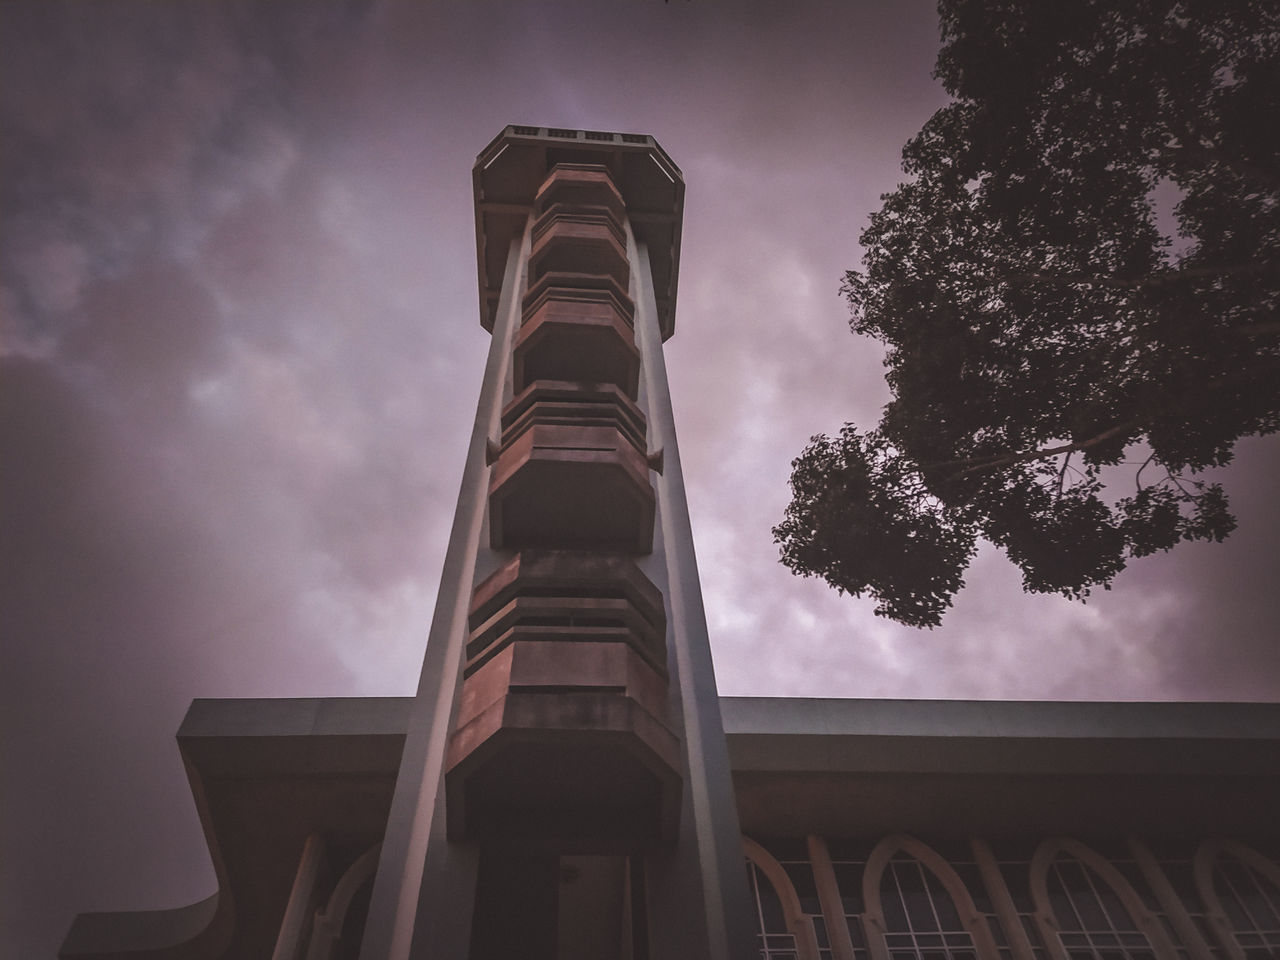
(240, 353)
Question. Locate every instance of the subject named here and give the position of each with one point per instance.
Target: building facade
(567, 783)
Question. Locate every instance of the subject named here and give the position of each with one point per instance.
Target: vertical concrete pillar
(297, 913)
(424, 890)
(698, 893)
(833, 916)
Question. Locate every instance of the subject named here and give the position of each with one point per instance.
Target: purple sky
(240, 353)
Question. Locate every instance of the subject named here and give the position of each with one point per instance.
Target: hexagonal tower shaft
(565, 787)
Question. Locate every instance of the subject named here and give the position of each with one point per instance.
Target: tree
(1042, 326)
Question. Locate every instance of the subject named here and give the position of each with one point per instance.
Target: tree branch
(978, 464)
(1188, 152)
(1265, 328)
(1157, 279)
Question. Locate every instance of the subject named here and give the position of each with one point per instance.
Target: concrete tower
(565, 790)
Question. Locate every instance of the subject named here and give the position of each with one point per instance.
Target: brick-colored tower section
(565, 786)
(562, 738)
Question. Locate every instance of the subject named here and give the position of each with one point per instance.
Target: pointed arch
(974, 922)
(1206, 858)
(799, 924)
(1051, 849)
(329, 922)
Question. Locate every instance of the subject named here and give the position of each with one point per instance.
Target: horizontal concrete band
(579, 221)
(568, 573)
(549, 408)
(585, 285)
(563, 666)
(546, 617)
(578, 185)
(576, 342)
(580, 243)
(572, 487)
(607, 299)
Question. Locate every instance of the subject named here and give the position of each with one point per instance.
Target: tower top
(510, 169)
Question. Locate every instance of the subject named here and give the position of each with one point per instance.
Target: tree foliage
(1051, 313)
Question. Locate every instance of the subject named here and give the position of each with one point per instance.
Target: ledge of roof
(970, 736)
(1001, 718)
(279, 737)
(264, 775)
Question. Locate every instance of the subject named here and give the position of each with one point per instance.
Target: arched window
(1241, 889)
(786, 932)
(918, 907)
(1086, 910)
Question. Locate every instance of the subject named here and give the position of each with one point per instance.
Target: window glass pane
(1225, 884)
(1032, 930)
(820, 931)
(801, 876)
(855, 931)
(997, 931)
(971, 877)
(1262, 900)
(910, 879)
(1120, 919)
(1080, 891)
(895, 916)
(943, 905)
(768, 906)
(1060, 903)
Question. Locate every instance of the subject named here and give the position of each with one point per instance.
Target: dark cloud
(239, 357)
